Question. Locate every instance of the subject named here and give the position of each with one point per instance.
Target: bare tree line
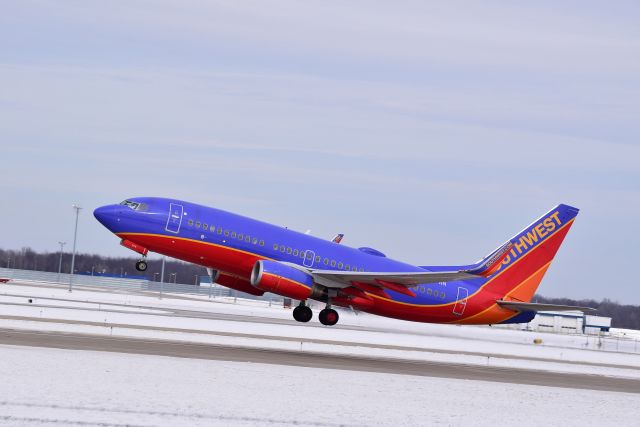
(28, 259)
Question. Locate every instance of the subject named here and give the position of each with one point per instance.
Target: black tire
(141, 266)
(302, 313)
(328, 317)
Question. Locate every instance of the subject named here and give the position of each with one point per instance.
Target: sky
(432, 131)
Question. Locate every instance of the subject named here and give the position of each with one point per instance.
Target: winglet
(338, 238)
(491, 264)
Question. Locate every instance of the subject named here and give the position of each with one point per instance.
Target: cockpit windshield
(136, 206)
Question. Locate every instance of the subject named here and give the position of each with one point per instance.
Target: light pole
(60, 262)
(75, 238)
(162, 276)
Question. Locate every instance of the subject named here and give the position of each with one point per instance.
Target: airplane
(256, 257)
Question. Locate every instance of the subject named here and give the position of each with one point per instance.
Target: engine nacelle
(238, 284)
(279, 278)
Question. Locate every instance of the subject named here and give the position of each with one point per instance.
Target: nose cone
(107, 215)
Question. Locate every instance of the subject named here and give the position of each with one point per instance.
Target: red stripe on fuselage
(223, 258)
(240, 263)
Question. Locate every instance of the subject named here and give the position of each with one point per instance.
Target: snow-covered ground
(43, 386)
(64, 387)
(256, 324)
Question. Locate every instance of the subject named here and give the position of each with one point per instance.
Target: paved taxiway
(154, 310)
(309, 359)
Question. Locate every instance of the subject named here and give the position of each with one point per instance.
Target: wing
(532, 306)
(402, 281)
(405, 279)
(373, 282)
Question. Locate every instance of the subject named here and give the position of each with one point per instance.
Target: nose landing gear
(141, 265)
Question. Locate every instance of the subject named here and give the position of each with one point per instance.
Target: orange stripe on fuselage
(480, 307)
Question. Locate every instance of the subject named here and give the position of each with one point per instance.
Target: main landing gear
(141, 265)
(328, 316)
(302, 313)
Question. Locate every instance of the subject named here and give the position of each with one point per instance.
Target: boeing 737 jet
(257, 257)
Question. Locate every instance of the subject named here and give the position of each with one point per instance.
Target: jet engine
(238, 284)
(279, 278)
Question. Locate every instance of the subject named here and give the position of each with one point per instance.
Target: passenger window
(191, 223)
(261, 242)
(333, 263)
(275, 246)
(198, 224)
(340, 265)
(347, 267)
(295, 252)
(226, 233)
(429, 291)
(255, 241)
(205, 226)
(326, 261)
(247, 239)
(213, 228)
(289, 250)
(361, 269)
(442, 295)
(233, 234)
(241, 236)
(354, 268)
(282, 248)
(317, 258)
(219, 230)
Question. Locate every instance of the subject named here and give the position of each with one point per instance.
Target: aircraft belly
(206, 254)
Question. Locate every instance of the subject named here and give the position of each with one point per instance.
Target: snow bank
(64, 387)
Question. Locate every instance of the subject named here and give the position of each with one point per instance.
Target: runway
(308, 359)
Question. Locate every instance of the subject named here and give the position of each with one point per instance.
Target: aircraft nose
(106, 214)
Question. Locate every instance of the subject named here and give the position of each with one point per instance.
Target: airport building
(566, 322)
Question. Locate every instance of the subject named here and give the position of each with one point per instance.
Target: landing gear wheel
(302, 313)
(328, 317)
(141, 265)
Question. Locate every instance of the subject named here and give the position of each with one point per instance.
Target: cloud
(429, 130)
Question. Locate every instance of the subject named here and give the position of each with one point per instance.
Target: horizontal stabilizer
(532, 306)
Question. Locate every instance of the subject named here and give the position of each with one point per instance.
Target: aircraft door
(175, 218)
(461, 302)
(308, 258)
